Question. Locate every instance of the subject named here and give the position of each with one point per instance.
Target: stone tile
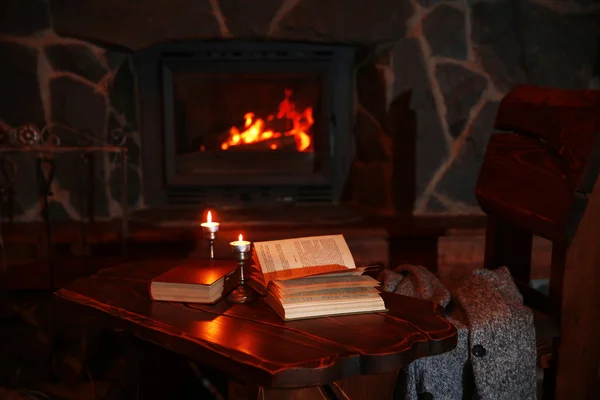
(431, 147)
(444, 29)
(460, 179)
(122, 93)
(20, 102)
(115, 128)
(371, 90)
(75, 58)
(76, 177)
(411, 74)
(114, 124)
(461, 89)
(410, 69)
(128, 24)
(528, 42)
(249, 19)
(559, 49)
(114, 59)
(435, 206)
(57, 211)
(79, 106)
(339, 21)
(498, 44)
(134, 184)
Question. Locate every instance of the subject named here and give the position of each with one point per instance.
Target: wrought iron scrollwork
(30, 136)
(51, 140)
(118, 137)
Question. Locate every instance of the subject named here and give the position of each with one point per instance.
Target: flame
(209, 217)
(255, 131)
(240, 238)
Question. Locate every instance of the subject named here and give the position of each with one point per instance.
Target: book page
(309, 284)
(358, 271)
(346, 297)
(293, 258)
(318, 296)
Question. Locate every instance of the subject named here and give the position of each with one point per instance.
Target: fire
(255, 130)
(209, 217)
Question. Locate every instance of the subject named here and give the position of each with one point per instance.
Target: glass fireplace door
(228, 122)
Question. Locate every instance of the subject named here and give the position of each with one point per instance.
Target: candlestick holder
(210, 233)
(242, 294)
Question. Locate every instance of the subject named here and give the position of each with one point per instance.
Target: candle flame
(241, 239)
(209, 217)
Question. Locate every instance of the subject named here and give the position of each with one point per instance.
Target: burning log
(259, 132)
(284, 143)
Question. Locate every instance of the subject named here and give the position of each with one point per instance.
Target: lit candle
(241, 245)
(242, 294)
(209, 225)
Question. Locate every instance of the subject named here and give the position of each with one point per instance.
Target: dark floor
(33, 361)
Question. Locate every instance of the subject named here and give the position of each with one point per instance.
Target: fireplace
(245, 123)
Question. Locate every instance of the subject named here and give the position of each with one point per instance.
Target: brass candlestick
(210, 229)
(242, 293)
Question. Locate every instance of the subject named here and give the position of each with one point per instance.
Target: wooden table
(251, 344)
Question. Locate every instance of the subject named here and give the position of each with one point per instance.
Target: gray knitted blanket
(495, 358)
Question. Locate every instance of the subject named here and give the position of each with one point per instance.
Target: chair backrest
(538, 172)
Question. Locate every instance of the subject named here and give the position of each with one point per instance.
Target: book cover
(197, 272)
(202, 281)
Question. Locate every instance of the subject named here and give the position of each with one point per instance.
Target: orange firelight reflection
(255, 131)
(218, 330)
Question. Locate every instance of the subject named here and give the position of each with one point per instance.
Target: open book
(313, 276)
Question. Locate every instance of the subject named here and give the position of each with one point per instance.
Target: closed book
(197, 281)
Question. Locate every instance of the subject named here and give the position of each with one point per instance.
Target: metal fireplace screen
(246, 122)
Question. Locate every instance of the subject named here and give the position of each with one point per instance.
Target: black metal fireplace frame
(162, 186)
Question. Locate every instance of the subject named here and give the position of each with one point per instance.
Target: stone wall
(49, 79)
(453, 60)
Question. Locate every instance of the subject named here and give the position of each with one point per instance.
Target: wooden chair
(540, 177)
